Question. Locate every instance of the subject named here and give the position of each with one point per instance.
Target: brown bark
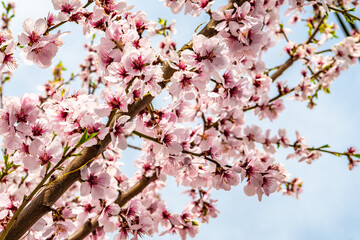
(42, 203)
(122, 199)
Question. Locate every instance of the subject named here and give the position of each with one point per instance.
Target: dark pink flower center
(34, 38)
(209, 56)
(21, 116)
(115, 103)
(8, 58)
(167, 139)
(203, 3)
(234, 91)
(45, 158)
(63, 114)
(88, 208)
(182, 66)
(122, 72)
(138, 64)
(251, 137)
(118, 130)
(185, 81)
(67, 8)
(165, 214)
(93, 180)
(25, 148)
(37, 130)
(12, 207)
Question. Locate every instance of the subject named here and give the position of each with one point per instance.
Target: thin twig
(292, 59)
(63, 22)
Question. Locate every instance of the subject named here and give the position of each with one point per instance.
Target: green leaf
(48, 165)
(85, 137)
(6, 159)
(327, 90)
(91, 136)
(162, 21)
(357, 155)
(349, 19)
(7, 78)
(82, 139)
(325, 146)
(66, 148)
(327, 66)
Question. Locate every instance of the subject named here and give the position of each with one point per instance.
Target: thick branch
(85, 229)
(137, 188)
(123, 198)
(283, 68)
(41, 205)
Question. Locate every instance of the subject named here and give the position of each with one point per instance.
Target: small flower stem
(321, 149)
(342, 24)
(134, 147)
(27, 199)
(63, 22)
(55, 26)
(112, 115)
(344, 12)
(183, 151)
(281, 69)
(150, 111)
(146, 137)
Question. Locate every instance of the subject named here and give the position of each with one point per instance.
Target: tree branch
(123, 198)
(41, 204)
(292, 59)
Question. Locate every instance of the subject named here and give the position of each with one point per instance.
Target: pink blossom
(94, 181)
(208, 53)
(121, 128)
(43, 152)
(39, 48)
(67, 7)
(7, 57)
(7, 206)
(108, 217)
(224, 179)
(34, 31)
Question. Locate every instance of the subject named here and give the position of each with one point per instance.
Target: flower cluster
(63, 149)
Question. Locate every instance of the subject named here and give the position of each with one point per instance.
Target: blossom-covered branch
(62, 149)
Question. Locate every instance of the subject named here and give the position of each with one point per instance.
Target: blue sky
(328, 207)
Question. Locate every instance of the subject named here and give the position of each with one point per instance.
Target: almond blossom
(94, 181)
(198, 113)
(39, 48)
